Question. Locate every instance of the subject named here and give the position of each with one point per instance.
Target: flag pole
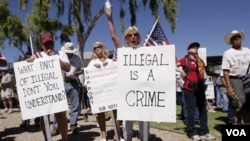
(31, 46)
(151, 31)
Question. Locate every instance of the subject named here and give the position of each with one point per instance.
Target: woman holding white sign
(99, 60)
(132, 38)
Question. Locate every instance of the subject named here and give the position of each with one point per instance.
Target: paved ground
(10, 131)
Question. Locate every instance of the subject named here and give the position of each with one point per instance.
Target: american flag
(36, 52)
(157, 37)
(34, 49)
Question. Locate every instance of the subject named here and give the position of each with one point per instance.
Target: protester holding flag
(194, 92)
(48, 47)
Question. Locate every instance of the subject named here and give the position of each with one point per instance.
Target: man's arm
(230, 90)
(65, 66)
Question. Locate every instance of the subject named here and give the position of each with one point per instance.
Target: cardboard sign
(40, 87)
(102, 87)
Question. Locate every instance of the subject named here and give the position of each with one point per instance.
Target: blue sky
(205, 21)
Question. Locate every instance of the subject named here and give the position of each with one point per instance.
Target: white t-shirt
(97, 61)
(236, 61)
(75, 65)
(6, 78)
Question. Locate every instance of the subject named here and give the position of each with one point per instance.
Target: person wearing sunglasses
(235, 61)
(132, 39)
(99, 60)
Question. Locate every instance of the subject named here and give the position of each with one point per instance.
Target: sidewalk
(88, 131)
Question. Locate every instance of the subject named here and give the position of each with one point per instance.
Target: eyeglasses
(236, 37)
(131, 34)
(97, 47)
(48, 43)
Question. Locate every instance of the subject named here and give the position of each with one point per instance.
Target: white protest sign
(210, 90)
(203, 54)
(102, 87)
(146, 84)
(40, 87)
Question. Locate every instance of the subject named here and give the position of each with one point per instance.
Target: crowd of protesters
(191, 78)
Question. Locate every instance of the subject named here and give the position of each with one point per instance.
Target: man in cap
(48, 47)
(235, 62)
(194, 92)
(71, 84)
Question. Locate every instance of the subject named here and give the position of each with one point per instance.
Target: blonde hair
(105, 52)
(129, 29)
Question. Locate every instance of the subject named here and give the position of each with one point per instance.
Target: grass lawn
(215, 120)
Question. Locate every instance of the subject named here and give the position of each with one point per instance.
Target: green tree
(80, 19)
(11, 28)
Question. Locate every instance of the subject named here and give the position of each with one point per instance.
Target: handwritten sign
(40, 87)
(102, 87)
(146, 84)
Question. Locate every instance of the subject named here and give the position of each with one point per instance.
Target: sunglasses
(133, 34)
(236, 37)
(97, 47)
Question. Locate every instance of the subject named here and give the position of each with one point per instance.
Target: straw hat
(68, 47)
(233, 33)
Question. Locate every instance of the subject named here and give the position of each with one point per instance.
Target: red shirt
(191, 71)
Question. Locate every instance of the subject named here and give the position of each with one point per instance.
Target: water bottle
(108, 6)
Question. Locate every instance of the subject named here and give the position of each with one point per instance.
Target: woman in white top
(99, 60)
